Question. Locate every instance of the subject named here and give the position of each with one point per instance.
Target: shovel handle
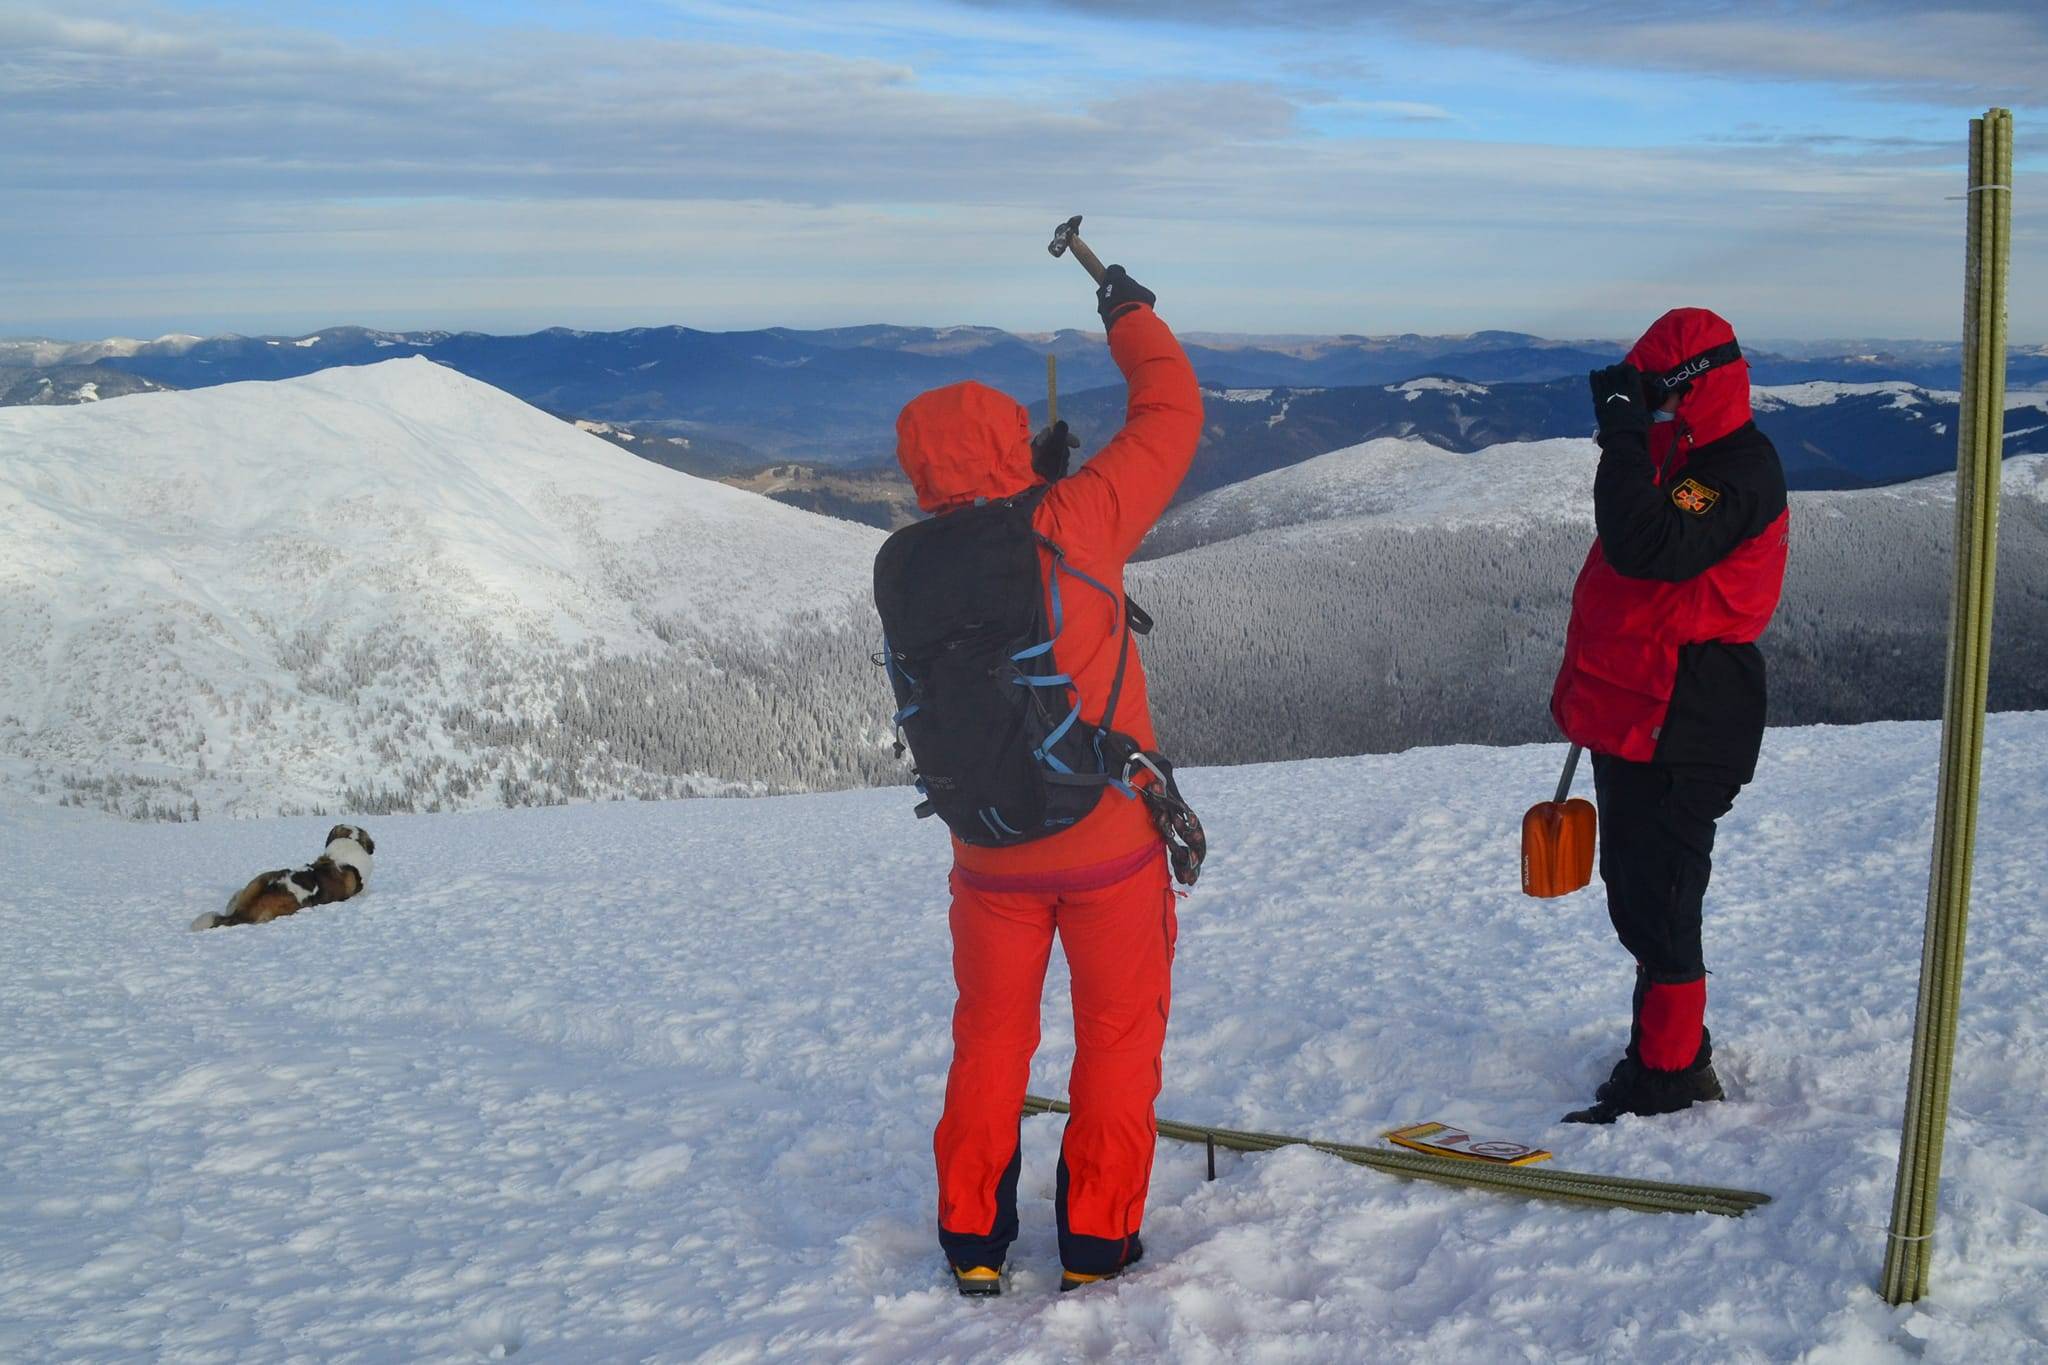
(1571, 766)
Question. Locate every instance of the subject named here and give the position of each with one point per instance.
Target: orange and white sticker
(1441, 1139)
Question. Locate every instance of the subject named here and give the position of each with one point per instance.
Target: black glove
(1118, 292)
(1620, 401)
(1051, 448)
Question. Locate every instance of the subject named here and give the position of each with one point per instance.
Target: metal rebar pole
(1980, 445)
(1577, 1187)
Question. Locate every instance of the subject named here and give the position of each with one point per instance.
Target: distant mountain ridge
(1830, 435)
(831, 396)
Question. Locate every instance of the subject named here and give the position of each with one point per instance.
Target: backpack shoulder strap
(1123, 607)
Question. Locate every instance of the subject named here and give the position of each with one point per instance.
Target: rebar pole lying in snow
(1577, 1187)
(1980, 445)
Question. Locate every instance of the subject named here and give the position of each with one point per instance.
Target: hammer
(1068, 234)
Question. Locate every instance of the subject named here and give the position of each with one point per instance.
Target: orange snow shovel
(1557, 840)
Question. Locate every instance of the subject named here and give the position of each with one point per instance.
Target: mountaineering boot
(1637, 1089)
(1071, 1280)
(978, 1281)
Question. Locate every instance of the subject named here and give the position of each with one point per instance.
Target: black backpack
(1002, 752)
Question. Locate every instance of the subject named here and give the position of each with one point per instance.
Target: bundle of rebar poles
(1576, 1187)
(1980, 446)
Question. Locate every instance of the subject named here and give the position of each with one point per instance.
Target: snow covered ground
(617, 1082)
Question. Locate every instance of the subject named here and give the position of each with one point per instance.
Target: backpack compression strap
(1179, 826)
(1060, 773)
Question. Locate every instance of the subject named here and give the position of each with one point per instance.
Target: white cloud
(1996, 51)
(182, 170)
(1405, 111)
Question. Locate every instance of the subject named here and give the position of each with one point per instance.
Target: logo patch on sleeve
(1695, 497)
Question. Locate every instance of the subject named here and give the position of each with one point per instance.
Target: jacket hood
(1718, 401)
(963, 442)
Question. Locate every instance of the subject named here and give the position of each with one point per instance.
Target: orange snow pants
(1118, 936)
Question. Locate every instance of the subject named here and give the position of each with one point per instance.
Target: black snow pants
(1656, 852)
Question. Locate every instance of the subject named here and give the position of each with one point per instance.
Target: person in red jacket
(1102, 884)
(1662, 681)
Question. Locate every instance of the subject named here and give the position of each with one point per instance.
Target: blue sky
(1569, 167)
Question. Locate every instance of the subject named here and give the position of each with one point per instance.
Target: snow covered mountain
(1394, 594)
(656, 1082)
(54, 385)
(393, 585)
(1830, 435)
(1397, 482)
(17, 352)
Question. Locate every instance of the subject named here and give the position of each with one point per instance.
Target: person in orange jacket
(1100, 883)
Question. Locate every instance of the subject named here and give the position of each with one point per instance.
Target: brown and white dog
(337, 874)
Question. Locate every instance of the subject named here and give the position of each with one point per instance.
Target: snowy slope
(1414, 484)
(385, 578)
(1820, 392)
(1395, 594)
(656, 1082)
(1397, 481)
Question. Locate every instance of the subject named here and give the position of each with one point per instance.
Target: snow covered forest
(697, 717)
(1383, 630)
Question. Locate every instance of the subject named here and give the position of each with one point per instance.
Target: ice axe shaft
(1067, 237)
(1052, 388)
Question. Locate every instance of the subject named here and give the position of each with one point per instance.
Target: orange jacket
(967, 442)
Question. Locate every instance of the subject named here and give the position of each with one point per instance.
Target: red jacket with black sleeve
(1661, 663)
(968, 442)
